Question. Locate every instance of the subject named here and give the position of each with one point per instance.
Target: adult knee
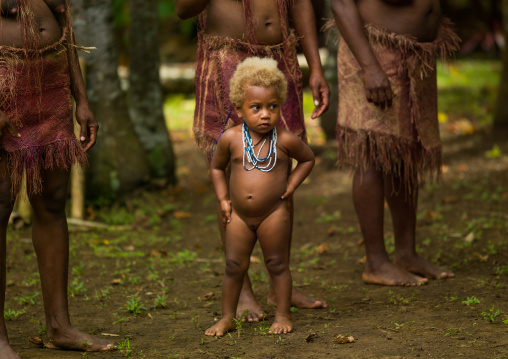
(50, 201)
(276, 266)
(235, 268)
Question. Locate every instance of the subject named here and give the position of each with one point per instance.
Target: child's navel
(249, 196)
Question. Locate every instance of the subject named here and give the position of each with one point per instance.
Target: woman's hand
(5, 123)
(89, 126)
(377, 87)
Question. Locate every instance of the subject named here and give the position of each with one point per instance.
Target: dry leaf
(331, 231)
(254, 259)
(323, 247)
(361, 242)
(462, 168)
(433, 215)
(158, 253)
(481, 257)
(37, 341)
(362, 260)
(116, 281)
(207, 296)
(469, 238)
(110, 335)
(181, 215)
(310, 338)
(339, 338)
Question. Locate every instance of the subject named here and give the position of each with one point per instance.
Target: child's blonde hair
(255, 71)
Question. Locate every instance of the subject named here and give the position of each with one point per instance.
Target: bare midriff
(11, 29)
(226, 18)
(419, 18)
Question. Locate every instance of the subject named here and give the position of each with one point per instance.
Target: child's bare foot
(390, 274)
(6, 351)
(73, 339)
(222, 327)
(249, 303)
(423, 268)
(282, 324)
(299, 300)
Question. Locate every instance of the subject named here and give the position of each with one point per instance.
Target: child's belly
(11, 30)
(256, 199)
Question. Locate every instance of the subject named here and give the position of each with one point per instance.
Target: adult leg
(51, 242)
(274, 235)
(6, 204)
(368, 200)
(239, 242)
(403, 209)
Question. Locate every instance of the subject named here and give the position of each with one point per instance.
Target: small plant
(120, 320)
(76, 287)
(125, 347)
(454, 331)
(27, 299)
(10, 314)
(134, 305)
(160, 301)
(195, 318)
(239, 322)
(491, 314)
(470, 301)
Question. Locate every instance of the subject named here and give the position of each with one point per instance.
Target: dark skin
(370, 187)
(268, 31)
(255, 205)
(49, 231)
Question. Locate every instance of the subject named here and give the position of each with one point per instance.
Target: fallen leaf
(181, 215)
(433, 215)
(254, 259)
(450, 199)
(37, 341)
(339, 338)
(110, 335)
(323, 247)
(360, 242)
(158, 253)
(445, 169)
(362, 260)
(481, 257)
(310, 338)
(469, 238)
(462, 168)
(129, 248)
(207, 296)
(116, 281)
(331, 231)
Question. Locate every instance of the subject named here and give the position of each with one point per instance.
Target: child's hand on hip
(225, 208)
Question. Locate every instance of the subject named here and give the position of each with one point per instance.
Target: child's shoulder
(286, 137)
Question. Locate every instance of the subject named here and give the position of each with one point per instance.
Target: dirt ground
(161, 257)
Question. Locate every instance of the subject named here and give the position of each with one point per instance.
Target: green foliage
(491, 314)
(470, 301)
(135, 306)
(28, 299)
(11, 314)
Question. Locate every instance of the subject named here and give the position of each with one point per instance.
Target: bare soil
(168, 242)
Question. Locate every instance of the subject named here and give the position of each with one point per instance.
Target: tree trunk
(118, 162)
(145, 93)
(501, 114)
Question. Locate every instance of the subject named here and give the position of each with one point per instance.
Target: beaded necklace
(250, 154)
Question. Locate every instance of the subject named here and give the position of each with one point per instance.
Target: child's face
(261, 108)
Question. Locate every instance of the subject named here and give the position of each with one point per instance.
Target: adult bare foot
(6, 351)
(282, 324)
(73, 339)
(390, 274)
(223, 326)
(423, 268)
(248, 303)
(299, 300)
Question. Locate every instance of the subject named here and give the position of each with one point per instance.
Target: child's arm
(303, 154)
(186, 9)
(218, 166)
(84, 114)
(302, 14)
(377, 85)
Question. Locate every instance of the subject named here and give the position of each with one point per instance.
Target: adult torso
(419, 18)
(226, 18)
(46, 25)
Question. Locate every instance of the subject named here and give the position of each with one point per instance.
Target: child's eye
(274, 106)
(256, 107)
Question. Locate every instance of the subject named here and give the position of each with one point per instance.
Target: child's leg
(368, 200)
(274, 235)
(6, 204)
(51, 242)
(247, 301)
(240, 240)
(403, 209)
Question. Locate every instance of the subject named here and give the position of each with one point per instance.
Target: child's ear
(239, 112)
